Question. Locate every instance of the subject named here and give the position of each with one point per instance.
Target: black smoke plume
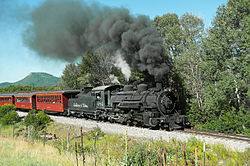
(67, 29)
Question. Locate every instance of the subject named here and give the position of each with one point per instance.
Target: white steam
(114, 79)
(120, 63)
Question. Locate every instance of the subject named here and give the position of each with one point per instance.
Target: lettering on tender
(83, 105)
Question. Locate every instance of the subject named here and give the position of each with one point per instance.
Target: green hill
(35, 79)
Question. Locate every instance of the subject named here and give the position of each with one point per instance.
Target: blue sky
(17, 61)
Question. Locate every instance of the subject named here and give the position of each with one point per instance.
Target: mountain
(35, 79)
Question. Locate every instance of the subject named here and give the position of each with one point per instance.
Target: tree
(188, 63)
(95, 68)
(70, 77)
(5, 109)
(226, 50)
(141, 77)
(183, 41)
(37, 120)
(170, 30)
(8, 115)
(27, 89)
(211, 71)
(225, 62)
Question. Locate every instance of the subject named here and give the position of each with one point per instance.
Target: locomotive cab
(102, 96)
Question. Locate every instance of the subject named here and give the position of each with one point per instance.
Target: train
(154, 107)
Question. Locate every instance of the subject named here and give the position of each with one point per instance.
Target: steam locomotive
(140, 106)
(154, 107)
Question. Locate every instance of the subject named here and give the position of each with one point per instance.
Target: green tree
(10, 118)
(94, 69)
(30, 119)
(5, 109)
(8, 115)
(70, 77)
(225, 64)
(97, 67)
(170, 30)
(183, 41)
(138, 77)
(37, 120)
(42, 120)
(27, 89)
(189, 63)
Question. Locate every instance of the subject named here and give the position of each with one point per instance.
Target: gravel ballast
(114, 128)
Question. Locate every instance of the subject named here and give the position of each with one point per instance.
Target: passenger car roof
(63, 91)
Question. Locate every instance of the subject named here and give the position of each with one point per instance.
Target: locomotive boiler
(140, 106)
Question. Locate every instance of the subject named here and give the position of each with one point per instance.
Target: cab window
(98, 96)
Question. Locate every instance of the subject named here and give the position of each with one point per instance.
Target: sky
(17, 60)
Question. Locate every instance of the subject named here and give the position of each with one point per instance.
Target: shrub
(141, 155)
(38, 121)
(10, 118)
(93, 132)
(5, 109)
(8, 114)
(42, 119)
(30, 119)
(231, 121)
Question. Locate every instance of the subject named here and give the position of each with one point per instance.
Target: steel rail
(215, 134)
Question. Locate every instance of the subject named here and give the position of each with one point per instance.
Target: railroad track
(218, 135)
(235, 142)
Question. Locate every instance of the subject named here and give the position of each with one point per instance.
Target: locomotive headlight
(171, 89)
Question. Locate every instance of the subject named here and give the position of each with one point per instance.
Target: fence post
(83, 157)
(147, 159)
(68, 142)
(159, 157)
(13, 129)
(76, 153)
(204, 154)
(0, 130)
(165, 155)
(176, 155)
(28, 132)
(126, 146)
(195, 155)
(185, 155)
(95, 147)
(45, 133)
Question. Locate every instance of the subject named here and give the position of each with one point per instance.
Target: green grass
(110, 149)
(19, 152)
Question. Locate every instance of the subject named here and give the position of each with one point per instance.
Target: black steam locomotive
(140, 106)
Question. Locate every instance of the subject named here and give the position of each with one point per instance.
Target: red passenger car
(6, 99)
(56, 101)
(25, 101)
